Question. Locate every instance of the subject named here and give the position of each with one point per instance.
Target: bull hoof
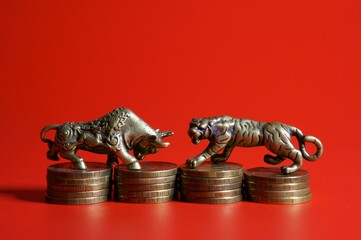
(80, 165)
(134, 166)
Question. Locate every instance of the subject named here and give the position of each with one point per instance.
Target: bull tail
(45, 130)
(52, 154)
(302, 139)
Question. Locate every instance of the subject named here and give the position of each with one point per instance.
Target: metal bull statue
(115, 134)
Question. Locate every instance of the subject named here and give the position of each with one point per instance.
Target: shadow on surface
(29, 195)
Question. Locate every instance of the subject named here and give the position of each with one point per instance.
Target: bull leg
(224, 156)
(130, 161)
(77, 161)
(112, 159)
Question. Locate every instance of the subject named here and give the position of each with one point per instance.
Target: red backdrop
(296, 62)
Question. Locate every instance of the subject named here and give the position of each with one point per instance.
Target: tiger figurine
(225, 133)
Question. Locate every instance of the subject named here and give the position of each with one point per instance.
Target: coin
(278, 194)
(287, 200)
(149, 170)
(210, 181)
(153, 180)
(78, 188)
(143, 200)
(78, 181)
(67, 170)
(76, 201)
(144, 187)
(202, 188)
(276, 187)
(213, 170)
(274, 175)
(223, 200)
(145, 194)
(87, 194)
(211, 194)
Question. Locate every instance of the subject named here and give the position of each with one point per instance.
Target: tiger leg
(212, 149)
(77, 161)
(224, 156)
(296, 156)
(273, 159)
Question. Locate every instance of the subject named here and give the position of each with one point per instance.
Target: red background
(297, 62)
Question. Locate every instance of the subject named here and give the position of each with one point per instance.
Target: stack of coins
(68, 185)
(211, 183)
(154, 183)
(268, 185)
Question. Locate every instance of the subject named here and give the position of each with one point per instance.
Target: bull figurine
(115, 134)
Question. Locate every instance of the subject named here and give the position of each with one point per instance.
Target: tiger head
(205, 128)
(198, 130)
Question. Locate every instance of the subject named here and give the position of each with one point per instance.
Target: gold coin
(213, 170)
(87, 194)
(211, 194)
(143, 200)
(67, 170)
(148, 170)
(287, 200)
(76, 201)
(203, 188)
(224, 200)
(78, 181)
(144, 187)
(274, 175)
(276, 187)
(209, 181)
(78, 188)
(278, 194)
(153, 180)
(145, 194)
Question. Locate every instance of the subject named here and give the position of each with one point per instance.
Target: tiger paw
(218, 158)
(192, 163)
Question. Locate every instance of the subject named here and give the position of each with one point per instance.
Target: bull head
(151, 144)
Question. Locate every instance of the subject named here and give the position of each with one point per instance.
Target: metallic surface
(115, 134)
(143, 200)
(274, 175)
(144, 187)
(86, 194)
(67, 170)
(225, 133)
(269, 185)
(209, 169)
(287, 200)
(224, 200)
(154, 183)
(154, 180)
(76, 201)
(211, 183)
(210, 187)
(149, 170)
(68, 185)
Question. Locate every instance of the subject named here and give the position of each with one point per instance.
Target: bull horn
(165, 134)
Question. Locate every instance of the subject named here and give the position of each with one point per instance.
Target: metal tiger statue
(115, 134)
(225, 133)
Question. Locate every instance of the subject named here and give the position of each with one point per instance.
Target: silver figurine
(224, 133)
(115, 134)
